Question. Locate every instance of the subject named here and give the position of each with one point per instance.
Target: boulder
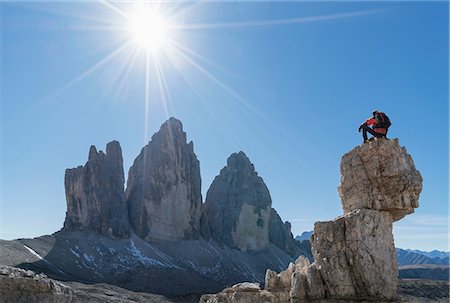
(25, 286)
(164, 187)
(95, 194)
(380, 175)
(245, 293)
(356, 255)
(238, 206)
(279, 282)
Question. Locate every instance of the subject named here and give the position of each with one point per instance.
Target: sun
(148, 28)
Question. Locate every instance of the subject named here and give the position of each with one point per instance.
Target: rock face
(238, 206)
(382, 176)
(95, 194)
(280, 235)
(164, 187)
(354, 254)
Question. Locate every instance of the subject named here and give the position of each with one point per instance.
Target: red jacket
(372, 121)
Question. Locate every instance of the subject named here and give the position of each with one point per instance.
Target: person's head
(375, 112)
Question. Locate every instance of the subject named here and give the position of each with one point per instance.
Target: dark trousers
(366, 129)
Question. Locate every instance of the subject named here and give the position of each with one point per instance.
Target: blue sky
(288, 83)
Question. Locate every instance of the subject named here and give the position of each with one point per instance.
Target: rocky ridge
(354, 254)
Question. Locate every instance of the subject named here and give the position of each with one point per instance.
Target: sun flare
(148, 29)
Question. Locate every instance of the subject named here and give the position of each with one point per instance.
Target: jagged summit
(164, 187)
(171, 129)
(95, 194)
(238, 206)
(240, 161)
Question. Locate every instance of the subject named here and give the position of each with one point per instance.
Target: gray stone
(356, 255)
(279, 282)
(380, 175)
(238, 206)
(25, 286)
(164, 187)
(95, 194)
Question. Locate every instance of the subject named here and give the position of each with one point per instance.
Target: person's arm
(370, 121)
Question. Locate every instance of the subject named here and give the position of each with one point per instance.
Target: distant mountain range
(413, 257)
(406, 256)
(431, 254)
(306, 235)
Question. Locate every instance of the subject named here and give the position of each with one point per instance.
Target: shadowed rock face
(380, 175)
(95, 194)
(164, 187)
(238, 206)
(280, 235)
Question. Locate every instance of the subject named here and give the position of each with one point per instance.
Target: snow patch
(74, 252)
(88, 258)
(146, 260)
(33, 252)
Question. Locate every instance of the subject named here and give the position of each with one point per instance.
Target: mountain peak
(240, 161)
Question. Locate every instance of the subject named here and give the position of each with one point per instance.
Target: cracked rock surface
(380, 175)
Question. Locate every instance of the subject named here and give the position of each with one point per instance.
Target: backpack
(382, 120)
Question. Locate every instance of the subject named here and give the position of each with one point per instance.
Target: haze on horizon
(287, 83)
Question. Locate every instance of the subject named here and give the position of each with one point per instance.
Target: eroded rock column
(164, 187)
(95, 194)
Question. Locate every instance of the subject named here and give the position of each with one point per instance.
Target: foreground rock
(24, 286)
(356, 256)
(164, 187)
(380, 175)
(411, 291)
(95, 194)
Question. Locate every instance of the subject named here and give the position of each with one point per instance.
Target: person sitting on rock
(380, 124)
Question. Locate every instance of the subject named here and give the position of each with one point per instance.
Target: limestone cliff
(238, 206)
(164, 187)
(95, 194)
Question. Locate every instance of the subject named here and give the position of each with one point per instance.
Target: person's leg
(366, 129)
(364, 133)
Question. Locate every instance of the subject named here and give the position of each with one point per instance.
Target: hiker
(380, 124)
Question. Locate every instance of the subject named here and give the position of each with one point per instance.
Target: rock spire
(238, 206)
(164, 187)
(95, 194)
